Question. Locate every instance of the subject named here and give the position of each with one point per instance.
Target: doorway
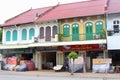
(48, 60)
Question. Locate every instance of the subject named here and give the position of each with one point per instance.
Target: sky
(11, 8)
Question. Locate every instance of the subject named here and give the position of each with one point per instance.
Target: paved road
(24, 77)
(17, 77)
(51, 75)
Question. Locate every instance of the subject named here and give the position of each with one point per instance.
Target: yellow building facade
(81, 24)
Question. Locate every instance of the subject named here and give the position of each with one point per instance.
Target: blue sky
(11, 8)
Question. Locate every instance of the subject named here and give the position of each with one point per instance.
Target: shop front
(46, 57)
(12, 58)
(88, 52)
(23, 54)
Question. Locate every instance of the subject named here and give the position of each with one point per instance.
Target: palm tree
(72, 55)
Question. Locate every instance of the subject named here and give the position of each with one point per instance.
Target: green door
(75, 32)
(89, 31)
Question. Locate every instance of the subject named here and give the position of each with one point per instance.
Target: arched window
(99, 27)
(8, 35)
(14, 36)
(66, 30)
(75, 31)
(54, 31)
(48, 33)
(89, 30)
(41, 33)
(116, 26)
(24, 34)
(31, 33)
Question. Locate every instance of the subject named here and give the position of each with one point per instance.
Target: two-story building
(81, 28)
(113, 30)
(47, 35)
(20, 31)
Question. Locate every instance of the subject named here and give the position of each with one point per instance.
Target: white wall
(27, 27)
(46, 24)
(113, 41)
(19, 37)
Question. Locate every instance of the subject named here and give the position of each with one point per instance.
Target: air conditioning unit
(35, 39)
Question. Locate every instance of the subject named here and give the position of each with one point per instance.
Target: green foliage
(60, 37)
(0, 35)
(73, 55)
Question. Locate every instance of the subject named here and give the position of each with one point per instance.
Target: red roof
(26, 17)
(85, 8)
(114, 6)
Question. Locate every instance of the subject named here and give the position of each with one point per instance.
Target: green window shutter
(75, 31)
(99, 27)
(8, 35)
(66, 30)
(89, 31)
(31, 33)
(24, 34)
(14, 37)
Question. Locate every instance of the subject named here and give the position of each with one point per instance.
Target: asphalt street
(16, 77)
(24, 77)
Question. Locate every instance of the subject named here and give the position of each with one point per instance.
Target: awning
(44, 44)
(13, 46)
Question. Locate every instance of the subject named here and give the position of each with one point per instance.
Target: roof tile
(85, 8)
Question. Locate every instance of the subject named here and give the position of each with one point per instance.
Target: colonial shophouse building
(51, 33)
(113, 30)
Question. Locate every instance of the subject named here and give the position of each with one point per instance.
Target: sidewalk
(61, 74)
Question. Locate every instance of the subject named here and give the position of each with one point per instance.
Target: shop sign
(102, 61)
(83, 47)
(17, 51)
(47, 48)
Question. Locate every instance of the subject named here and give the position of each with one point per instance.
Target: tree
(0, 35)
(72, 55)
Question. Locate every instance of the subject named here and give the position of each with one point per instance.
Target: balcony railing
(113, 32)
(82, 37)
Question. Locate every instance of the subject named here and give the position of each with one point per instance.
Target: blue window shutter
(14, 37)
(8, 35)
(24, 34)
(31, 33)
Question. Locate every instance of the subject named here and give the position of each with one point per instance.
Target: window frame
(24, 34)
(14, 35)
(8, 35)
(66, 30)
(31, 34)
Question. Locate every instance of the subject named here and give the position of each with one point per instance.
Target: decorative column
(40, 61)
(83, 53)
(105, 54)
(59, 58)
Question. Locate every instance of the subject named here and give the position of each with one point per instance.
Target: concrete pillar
(40, 61)
(59, 57)
(36, 59)
(105, 52)
(83, 53)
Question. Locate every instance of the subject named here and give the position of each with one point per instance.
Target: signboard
(83, 47)
(47, 48)
(18, 51)
(102, 61)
